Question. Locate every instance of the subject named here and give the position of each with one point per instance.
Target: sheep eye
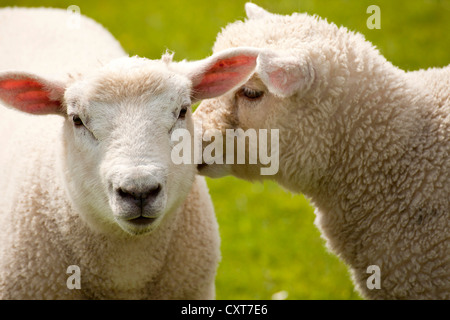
(250, 93)
(77, 121)
(182, 113)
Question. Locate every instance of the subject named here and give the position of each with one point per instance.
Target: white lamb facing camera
(87, 180)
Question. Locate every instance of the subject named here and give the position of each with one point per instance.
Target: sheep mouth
(141, 221)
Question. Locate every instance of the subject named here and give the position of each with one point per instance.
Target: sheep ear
(285, 75)
(255, 12)
(222, 72)
(30, 93)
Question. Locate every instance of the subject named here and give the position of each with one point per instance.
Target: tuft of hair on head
(72, 77)
(167, 56)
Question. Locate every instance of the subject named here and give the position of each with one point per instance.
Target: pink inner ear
(28, 95)
(234, 62)
(12, 84)
(33, 96)
(224, 75)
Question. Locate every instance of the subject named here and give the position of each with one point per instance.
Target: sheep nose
(139, 198)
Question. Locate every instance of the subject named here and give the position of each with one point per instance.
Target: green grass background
(269, 242)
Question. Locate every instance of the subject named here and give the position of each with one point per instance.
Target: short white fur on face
(122, 147)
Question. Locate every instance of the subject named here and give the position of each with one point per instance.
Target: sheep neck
(370, 185)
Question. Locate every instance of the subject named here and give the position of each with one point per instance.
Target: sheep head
(117, 129)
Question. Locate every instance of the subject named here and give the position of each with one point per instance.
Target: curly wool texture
(41, 234)
(367, 142)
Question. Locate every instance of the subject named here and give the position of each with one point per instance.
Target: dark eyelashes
(250, 94)
(77, 121)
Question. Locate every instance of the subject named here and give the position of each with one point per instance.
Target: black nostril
(139, 198)
(152, 192)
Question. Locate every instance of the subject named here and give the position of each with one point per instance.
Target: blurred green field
(269, 242)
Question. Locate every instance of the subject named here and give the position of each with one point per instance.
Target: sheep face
(118, 127)
(295, 89)
(118, 122)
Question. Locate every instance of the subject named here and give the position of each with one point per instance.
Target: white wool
(366, 141)
(35, 44)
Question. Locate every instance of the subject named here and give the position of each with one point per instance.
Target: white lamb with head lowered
(366, 141)
(88, 180)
